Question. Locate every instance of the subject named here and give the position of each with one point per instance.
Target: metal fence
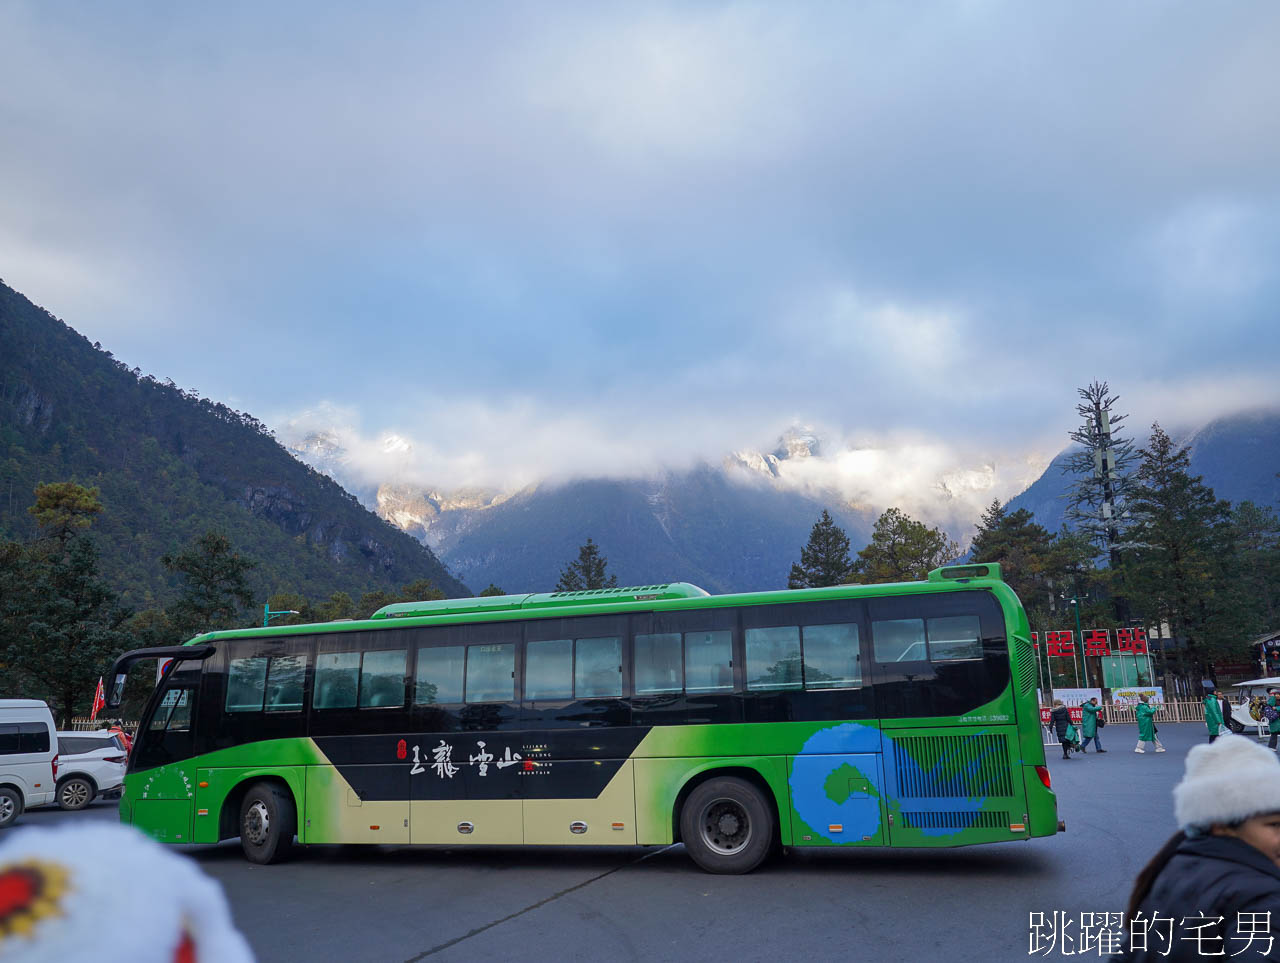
(1165, 712)
(85, 724)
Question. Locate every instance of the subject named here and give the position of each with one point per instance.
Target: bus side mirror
(117, 692)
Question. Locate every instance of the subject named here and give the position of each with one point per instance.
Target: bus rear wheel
(727, 825)
(268, 822)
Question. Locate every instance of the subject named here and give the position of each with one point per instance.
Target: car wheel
(10, 806)
(727, 825)
(75, 793)
(268, 822)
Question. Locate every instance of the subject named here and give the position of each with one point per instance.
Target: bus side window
(382, 679)
(491, 671)
(337, 680)
(657, 665)
(899, 640)
(246, 683)
(955, 637)
(286, 676)
(548, 670)
(438, 680)
(708, 661)
(773, 657)
(832, 656)
(597, 668)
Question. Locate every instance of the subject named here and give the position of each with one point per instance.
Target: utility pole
(1096, 501)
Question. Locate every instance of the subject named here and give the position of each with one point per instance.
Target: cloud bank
(603, 239)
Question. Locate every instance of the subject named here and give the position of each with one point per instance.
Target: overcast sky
(604, 238)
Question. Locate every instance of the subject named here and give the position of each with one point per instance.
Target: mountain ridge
(170, 465)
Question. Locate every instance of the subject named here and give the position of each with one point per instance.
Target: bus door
(358, 717)
(162, 779)
(465, 753)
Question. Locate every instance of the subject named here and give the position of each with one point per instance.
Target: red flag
(99, 700)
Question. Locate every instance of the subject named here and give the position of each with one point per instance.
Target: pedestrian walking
(1061, 720)
(1089, 723)
(1146, 713)
(1212, 714)
(1221, 866)
(1228, 714)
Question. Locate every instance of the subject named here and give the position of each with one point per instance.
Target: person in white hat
(1224, 861)
(107, 893)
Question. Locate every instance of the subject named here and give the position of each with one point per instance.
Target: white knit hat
(1227, 781)
(107, 893)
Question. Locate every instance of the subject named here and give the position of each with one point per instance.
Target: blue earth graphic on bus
(826, 783)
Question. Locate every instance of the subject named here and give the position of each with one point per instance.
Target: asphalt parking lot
(381, 903)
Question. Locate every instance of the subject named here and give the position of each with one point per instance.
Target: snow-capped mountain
(732, 527)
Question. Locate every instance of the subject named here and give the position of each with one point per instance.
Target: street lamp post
(1135, 624)
(268, 614)
(1075, 604)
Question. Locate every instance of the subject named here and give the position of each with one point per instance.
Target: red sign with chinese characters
(1131, 641)
(1074, 713)
(1096, 641)
(1061, 643)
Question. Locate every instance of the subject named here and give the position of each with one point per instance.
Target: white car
(90, 764)
(28, 757)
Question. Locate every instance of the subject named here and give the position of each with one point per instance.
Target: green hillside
(170, 466)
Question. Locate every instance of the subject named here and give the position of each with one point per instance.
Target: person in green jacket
(1212, 713)
(1274, 700)
(1089, 724)
(1146, 724)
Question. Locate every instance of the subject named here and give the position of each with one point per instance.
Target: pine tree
(64, 508)
(215, 585)
(338, 606)
(492, 590)
(825, 559)
(1254, 576)
(60, 625)
(1038, 566)
(1181, 537)
(987, 538)
(902, 550)
(586, 571)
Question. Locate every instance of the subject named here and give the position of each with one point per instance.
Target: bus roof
(500, 603)
(671, 595)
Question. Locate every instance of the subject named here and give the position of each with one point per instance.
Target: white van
(28, 757)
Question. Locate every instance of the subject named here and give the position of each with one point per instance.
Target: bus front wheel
(268, 821)
(727, 825)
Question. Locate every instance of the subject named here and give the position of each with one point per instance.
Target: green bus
(857, 715)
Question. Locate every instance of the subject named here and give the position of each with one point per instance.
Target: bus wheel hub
(257, 823)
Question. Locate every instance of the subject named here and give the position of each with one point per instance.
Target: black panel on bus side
(807, 698)
(923, 688)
